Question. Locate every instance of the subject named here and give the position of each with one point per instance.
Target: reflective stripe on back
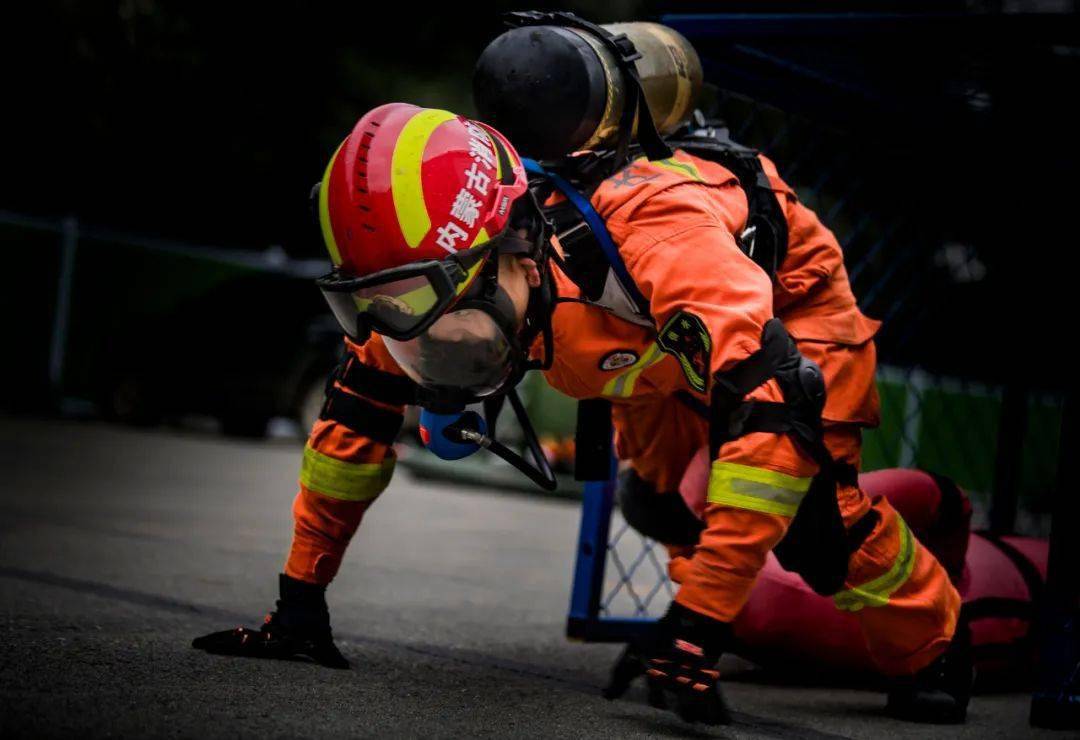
(680, 168)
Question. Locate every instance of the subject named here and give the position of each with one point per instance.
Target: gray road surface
(117, 547)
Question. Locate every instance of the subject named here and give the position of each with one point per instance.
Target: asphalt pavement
(118, 546)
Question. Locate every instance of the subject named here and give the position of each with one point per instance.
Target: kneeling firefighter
(677, 285)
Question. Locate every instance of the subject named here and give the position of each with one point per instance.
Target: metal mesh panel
(635, 581)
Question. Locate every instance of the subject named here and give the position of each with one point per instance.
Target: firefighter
(450, 286)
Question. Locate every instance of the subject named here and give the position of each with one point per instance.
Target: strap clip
(628, 53)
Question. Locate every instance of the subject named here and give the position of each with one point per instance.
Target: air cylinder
(554, 90)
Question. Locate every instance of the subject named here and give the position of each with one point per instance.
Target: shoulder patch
(685, 337)
(618, 359)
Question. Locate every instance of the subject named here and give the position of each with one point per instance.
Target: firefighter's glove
(679, 658)
(299, 627)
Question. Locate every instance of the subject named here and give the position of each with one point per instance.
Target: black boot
(939, 693)
(299, 627)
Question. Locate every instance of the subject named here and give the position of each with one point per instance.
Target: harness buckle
(748, 239)
(338, 373)
(628, 53)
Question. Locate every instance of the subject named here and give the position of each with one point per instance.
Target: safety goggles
(401, 302)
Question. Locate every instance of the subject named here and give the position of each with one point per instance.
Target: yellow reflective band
(683, 168)
(878, 591)
(324, 211)
(405, 182)
(622, 385)
(756, 489)
(342, 480)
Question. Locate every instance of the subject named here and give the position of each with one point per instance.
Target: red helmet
(412, 184)
(412, 206)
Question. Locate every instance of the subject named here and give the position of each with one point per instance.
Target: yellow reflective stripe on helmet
(343, 480)
(878, 591)
(324, 211)
(756, 489)
(405, 182)
(498, 160)
(622, 385)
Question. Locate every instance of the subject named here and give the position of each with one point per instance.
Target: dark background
(938, 139)
(209, 121)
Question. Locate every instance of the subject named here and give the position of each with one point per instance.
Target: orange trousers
(905, 603)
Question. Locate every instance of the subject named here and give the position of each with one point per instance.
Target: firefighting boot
(940, 692)
(300, 626)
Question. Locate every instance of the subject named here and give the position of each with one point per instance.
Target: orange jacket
(674, 223)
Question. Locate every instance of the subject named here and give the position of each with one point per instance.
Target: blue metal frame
(585, 621)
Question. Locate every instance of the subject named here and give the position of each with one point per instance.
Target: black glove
(299, 627)
(678, 657)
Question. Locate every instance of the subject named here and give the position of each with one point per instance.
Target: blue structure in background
(588, 619)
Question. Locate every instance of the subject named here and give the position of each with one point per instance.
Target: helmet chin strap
(542, 298)
(538, 313)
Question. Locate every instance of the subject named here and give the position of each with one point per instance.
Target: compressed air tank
(554, 90)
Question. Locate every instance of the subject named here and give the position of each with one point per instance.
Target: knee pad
(663, 517)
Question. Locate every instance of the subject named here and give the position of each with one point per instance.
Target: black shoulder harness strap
(764, 239)
(800, 380)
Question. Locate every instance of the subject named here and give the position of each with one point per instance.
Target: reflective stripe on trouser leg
(913, 605)
(342, 480)
(756, 489)
(877, 591)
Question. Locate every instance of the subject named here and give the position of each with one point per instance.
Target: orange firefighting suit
(674, 221)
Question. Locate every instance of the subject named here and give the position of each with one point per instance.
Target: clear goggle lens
(464, 349)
